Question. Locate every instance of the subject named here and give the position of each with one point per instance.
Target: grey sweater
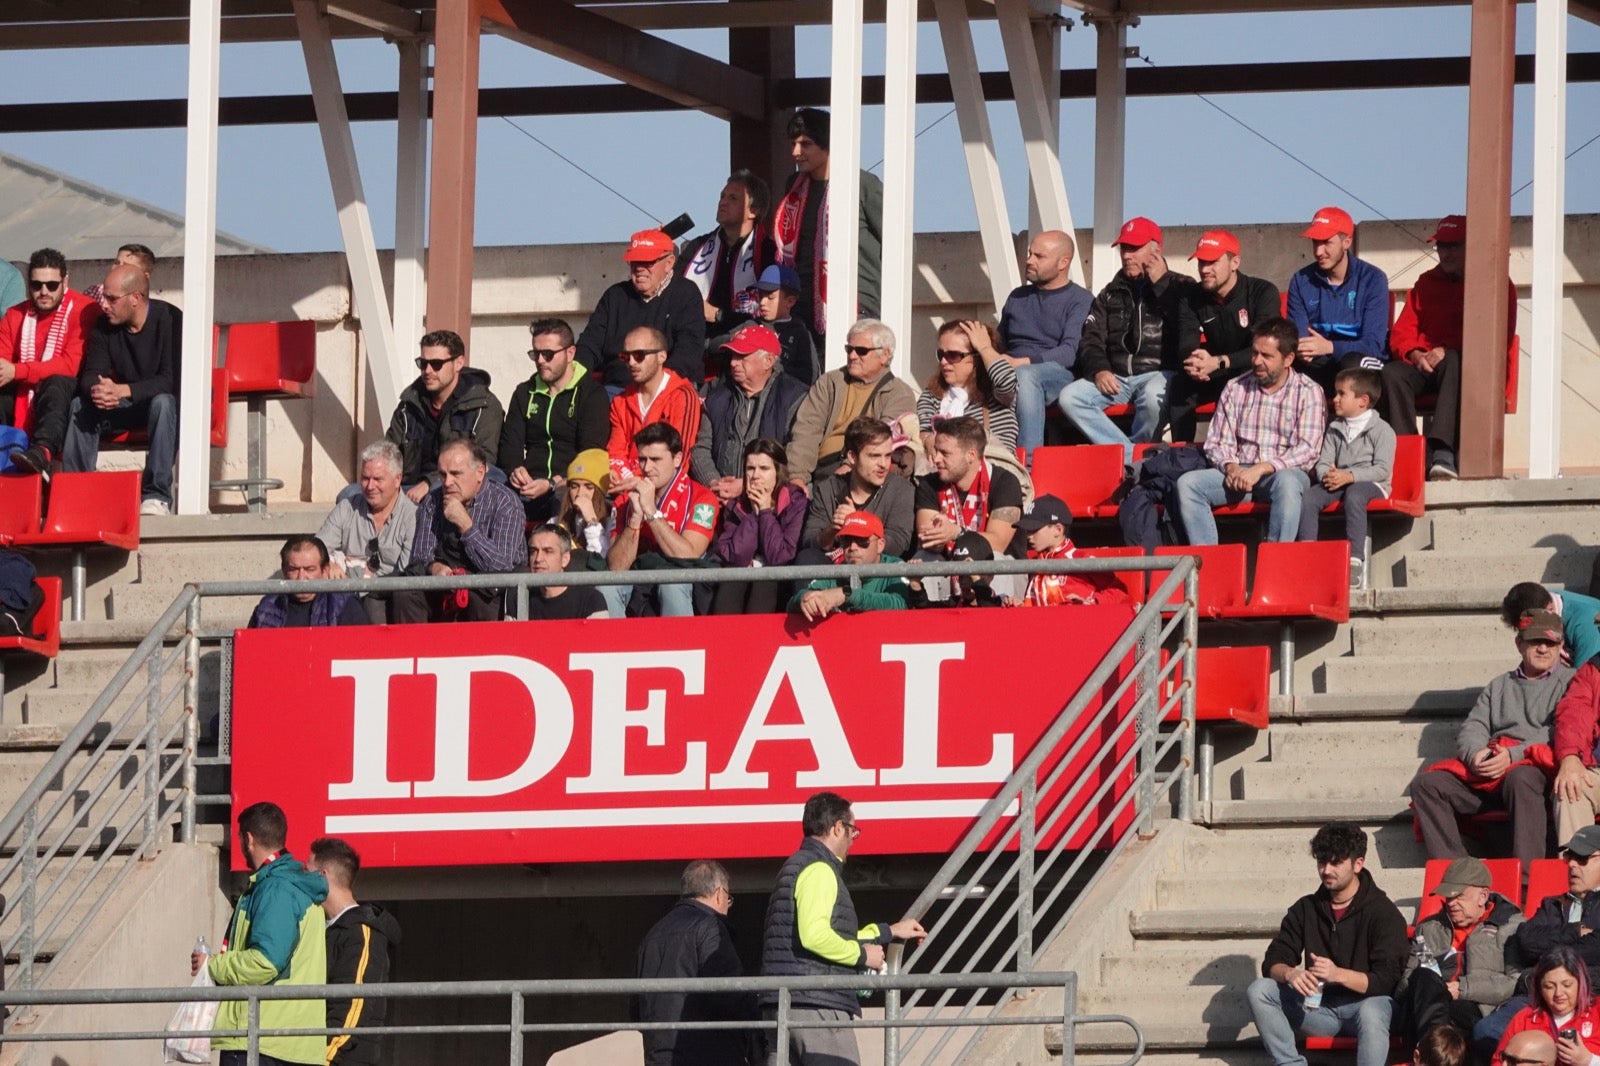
(1515, 707)
(894, 504)
(1368, 455)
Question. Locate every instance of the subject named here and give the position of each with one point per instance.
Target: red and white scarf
(786, 230)
(27, 346)
(969, 510)
(702, 270)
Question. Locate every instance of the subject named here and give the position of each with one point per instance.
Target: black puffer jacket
(1132, 327)
(471, 413)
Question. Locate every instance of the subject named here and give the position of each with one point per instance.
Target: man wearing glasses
(41, 347)
(654, 295)
(558, 412)
(449, 401)
(864, 388)
(655, 394)
(812, 930)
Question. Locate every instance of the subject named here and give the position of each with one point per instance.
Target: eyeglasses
(852, 829)
(111, 298)
(639, 264)
(1581, 860)
(435, 365)
(951, 357)
(1512, 1060)
(47, 286)
(639, 355)
(544, 355)
(852, 542)
(856, 349)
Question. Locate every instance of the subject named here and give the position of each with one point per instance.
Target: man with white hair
(369, 530)
(865, 387)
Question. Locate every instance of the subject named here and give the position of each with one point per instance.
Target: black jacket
(1132, 327)
(147, 362)
(692, 940)
(1549, 928)
(359, 943)
(716, 453)
(1370, 938)
(678, 312)
(544, 433)
(471, 413)
(1225, 328)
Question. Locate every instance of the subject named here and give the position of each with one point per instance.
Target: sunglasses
(435, 365)
(1512, 1060)
(856, 349)
(639, 355)
(47, 286)
(852, 542)
(544, 355)
(951, 357)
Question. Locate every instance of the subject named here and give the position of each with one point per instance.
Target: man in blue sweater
(1339, 303)
(1041, 323)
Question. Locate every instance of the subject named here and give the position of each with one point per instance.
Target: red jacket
(1433, 313)
(1587, 1024)
(1577, 725)
(677, 404)
(66, 361)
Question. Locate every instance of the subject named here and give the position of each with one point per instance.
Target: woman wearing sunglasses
(974, 379)
(760, 527)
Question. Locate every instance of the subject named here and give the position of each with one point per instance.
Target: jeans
(671, 601)
(1038, 386)
(1279, 1011)
(1085, 407)
(1201, 490)
(1487, 1033)
(158, 416)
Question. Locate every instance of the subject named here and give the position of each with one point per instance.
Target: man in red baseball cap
(1338, 302)
(755, 399)
(1129, 350)
(861, 539)
(1215, 323)
(1426, 342)
(653, 295)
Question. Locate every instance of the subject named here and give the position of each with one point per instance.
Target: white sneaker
(154, 507)
(1358, 573)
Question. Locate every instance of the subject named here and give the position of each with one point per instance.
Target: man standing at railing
(812, 930)
(277, 936)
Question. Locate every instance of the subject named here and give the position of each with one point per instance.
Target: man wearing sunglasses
(864, 388)
(558, 412)
(1338, 303)
(859, 541)
(653, 295)
(41, 348)
(449, 401)
(655, 395)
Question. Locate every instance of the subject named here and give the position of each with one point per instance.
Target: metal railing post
(191, 715)
(252, 1030)
(891, 1036)
(1148, 709)
(516, 1027)
(152, 757)
(781, 1038)
(1191, 639)
(1025, 872)
(30, 898)
(1069, 1014)
(521, 609)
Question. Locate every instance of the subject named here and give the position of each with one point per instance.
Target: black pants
(1424, 1003)
(239, 1058)
(414, 606)
(1440, 796)
(753, 597)
(1403, 383)
(1185, 396)
(50, 407)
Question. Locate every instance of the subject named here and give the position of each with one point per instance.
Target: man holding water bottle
(1337, 957)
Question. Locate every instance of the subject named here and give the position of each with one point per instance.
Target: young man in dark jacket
(449, 401)
(561, 411)
(360, 937)
(1341, 949)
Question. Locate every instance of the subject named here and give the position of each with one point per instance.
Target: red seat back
(1132, 581)
(1085, 476)
(1408, 476)
(21, 500)
(276, 357)
(1221, 576)
(46, 636)
(100, 506)
(1310, 578)
(1546, 878)
(1505, 876)
(1513, 373)
(1233, 685)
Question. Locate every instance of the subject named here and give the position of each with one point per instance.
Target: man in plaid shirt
(468, 524)
(1262, 443)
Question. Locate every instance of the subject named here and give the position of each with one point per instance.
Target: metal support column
(899, 166)
(193, 483)
(844, 177)
(453, 178)
(1483, 356)
(1549, 235)
(410, 197)
(1110, 138)
(977, 143)
(1047, 47)
(762, 146)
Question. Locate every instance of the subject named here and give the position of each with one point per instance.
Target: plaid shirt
(496, 543)
(1283, 427)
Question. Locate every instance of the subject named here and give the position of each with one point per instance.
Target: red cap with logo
(1452, 230)
(861, 524)
(1214, 243)
(1328, 221)
(1138, 232)
(647, 246)
(751, 339)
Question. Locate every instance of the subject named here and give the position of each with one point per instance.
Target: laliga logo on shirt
(611, 718)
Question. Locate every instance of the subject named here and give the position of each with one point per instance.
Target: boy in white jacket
(1355, 465)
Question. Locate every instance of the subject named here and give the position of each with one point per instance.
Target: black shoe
(35, 459)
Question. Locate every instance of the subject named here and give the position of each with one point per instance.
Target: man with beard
(557, 413)
(41, 348)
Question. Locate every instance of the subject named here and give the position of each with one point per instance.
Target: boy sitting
(1046, 523)
(780, 288)
(1355, 465)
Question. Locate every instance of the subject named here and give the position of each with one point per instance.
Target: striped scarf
(27, 347)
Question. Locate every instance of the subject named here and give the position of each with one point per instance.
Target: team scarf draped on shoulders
(786, 231)
(702, 270)
(54, 342)
(968, 510)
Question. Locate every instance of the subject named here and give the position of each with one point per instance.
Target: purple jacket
(774, 535)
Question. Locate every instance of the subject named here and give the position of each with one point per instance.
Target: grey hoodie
(1368, 455)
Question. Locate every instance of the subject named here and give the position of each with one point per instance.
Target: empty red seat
(1232, 685)
(272, 358)
(1505, 875)
(97, 508)
(1407, 478)
(21, 501)
(1309, 579)
(1132, 581)
(1087, 477)
(1222, 569)
(1546, 878)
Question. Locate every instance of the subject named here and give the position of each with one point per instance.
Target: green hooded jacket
(277, 936)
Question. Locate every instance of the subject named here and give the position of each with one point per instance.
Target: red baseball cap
(861, 524)
(1328, 221)
(1452, 230)
(1138, 232)
(1213, 244)
(647, 246)
(751, 339)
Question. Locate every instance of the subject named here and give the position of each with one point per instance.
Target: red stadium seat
(21, 501)
(1222, 569)
(137, 438)
(1232, 685)
(1309, 579)
(1408, 480)
(264, 361)
(1546, 878)
(87, 510)
(1505, 875)
(1132, 581)
(45, 639)
(1086, 476)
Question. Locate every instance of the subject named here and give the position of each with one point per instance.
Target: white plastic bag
(193, 1016)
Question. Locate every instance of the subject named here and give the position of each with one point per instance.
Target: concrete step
(91, 669)
(1311, 812)
(1160, 964)
(1477, 635)
(1215, 887)
(1505, 566)
(1334, 747)
(177, 563)
(1211, 923)
(1166, 1056)
(1422, 673)
(1225, 1027)
(1290, 781)
(1274, 850)
(1531, 527)
(1350, 706)
(1211, 1002)
(144, 603)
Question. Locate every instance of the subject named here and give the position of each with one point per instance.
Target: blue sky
(1401, 151)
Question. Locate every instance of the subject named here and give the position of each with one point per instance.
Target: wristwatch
(659, 514)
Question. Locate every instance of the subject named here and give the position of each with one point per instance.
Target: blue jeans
(157, 416)
(1038, 385)
(1085, 407)
(1492, 1026)
(1279, 1011)
(672, 601)
(1201, 490)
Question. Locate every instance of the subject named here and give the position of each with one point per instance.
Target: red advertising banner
(517, 742)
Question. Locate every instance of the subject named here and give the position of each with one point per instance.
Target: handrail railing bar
(1086, 850)
(1055, 851)
(1112, 853)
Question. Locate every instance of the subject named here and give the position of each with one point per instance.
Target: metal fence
(778, 1019)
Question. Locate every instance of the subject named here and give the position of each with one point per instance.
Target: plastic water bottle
(1314, 1000)
(200, 947)
(1425, 957)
